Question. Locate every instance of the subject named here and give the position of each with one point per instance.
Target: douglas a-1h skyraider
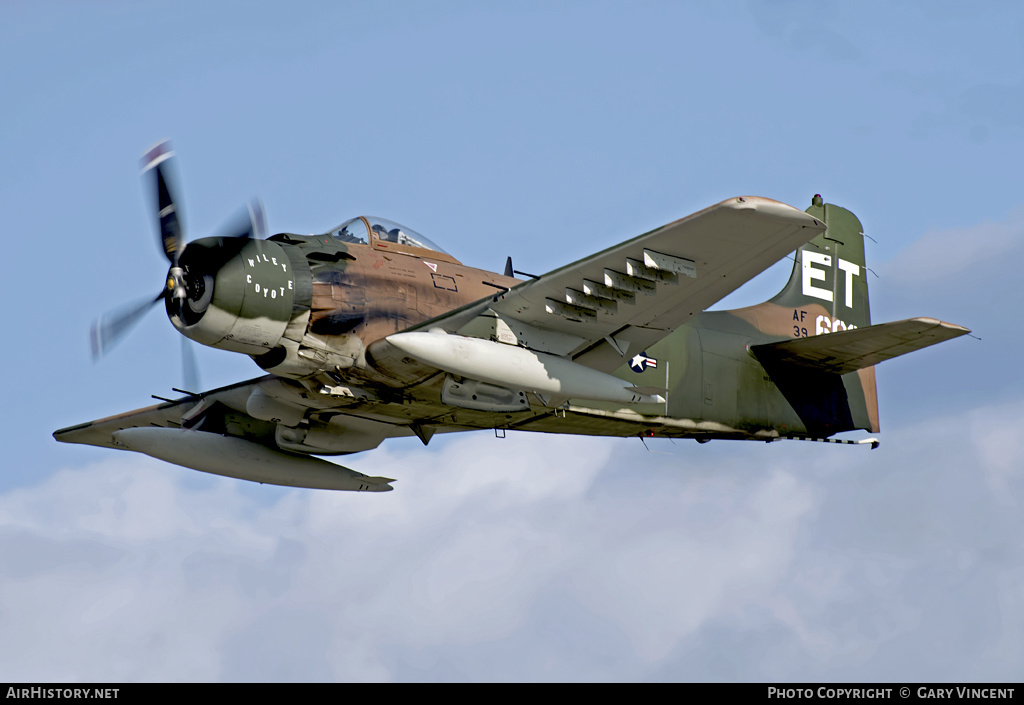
(371, 331)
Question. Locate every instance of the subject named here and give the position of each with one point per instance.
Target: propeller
(181, 291)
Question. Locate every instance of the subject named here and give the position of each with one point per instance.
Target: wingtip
(953, 328)
(772, 208)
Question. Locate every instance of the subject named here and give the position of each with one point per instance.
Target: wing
(267, 430)
(615, 303)
(234, 431)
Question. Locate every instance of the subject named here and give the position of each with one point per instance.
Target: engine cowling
(241, 294)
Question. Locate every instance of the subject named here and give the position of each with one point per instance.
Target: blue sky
(544, 131)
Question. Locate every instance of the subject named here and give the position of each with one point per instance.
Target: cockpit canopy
(363, 230)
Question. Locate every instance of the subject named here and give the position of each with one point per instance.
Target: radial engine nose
(238, 293)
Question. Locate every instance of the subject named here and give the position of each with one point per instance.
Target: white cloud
(946, 255)
(534, 557)
(120, 571)
(725, 544)
(1000, 445)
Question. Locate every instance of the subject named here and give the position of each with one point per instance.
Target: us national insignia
(641, 362)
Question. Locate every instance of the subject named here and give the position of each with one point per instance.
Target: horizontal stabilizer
(850, 350)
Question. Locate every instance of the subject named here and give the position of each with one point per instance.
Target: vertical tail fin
(829, 272)
(826, 293)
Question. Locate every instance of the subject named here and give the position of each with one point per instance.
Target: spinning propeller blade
(156, 165)
(159, 171)
(108, 329)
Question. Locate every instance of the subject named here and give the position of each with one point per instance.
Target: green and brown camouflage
(717, 379)
(305, 307)
(320, 314)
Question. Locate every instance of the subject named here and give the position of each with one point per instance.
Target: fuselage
(315, 310)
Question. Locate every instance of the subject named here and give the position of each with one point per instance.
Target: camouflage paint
(732, 391)
(337, 389)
